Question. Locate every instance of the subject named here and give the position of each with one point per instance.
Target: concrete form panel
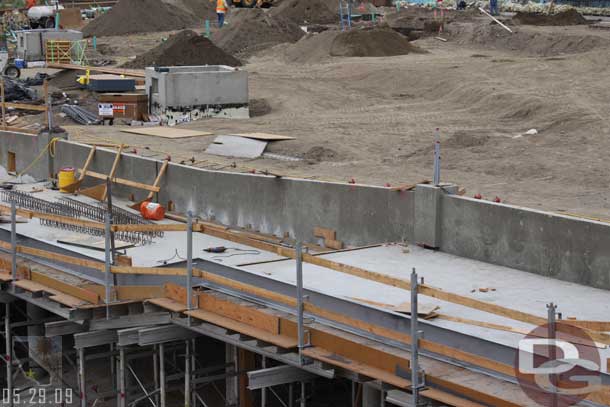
(547, 244)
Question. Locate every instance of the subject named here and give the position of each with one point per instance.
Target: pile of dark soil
(201, 9)
(138, 16)
(182, 49)
(315, 48)
(568, 17)
(252, 30)
(376, 42)
(307, 12)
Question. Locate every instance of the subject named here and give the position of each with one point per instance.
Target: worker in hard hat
(222, 7)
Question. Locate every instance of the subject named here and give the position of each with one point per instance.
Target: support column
(35, 336)
(264, 389)
(245, 363)
(81, 377)
(9, 352)
(122, 381)
(427, 216)
(303, 394)
(187, 374)
(156, 372)
(231, 382)
(162, 374)
(371, 396)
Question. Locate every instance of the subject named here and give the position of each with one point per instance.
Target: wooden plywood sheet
(264, 136)
(166, 132)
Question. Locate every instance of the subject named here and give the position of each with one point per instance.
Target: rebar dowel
(437, 158)
(552, 335)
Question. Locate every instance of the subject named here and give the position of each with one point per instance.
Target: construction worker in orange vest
(222, 7)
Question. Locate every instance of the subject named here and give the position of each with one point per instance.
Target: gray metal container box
(180, 87)
(31, 44)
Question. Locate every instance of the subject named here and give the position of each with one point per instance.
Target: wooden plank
(113, 169)
(325, 233)
(60, 257)
(138, 292)
(158, 179)
(30, 286)
(168, 304)
(87, 163)
(65, 288)
(135, 73)
(245, 314)
(178, 293)
(158, 271)
(333, 244)
(121, 181)
(25, 106)
(95, 192)
(169, 227)
(19, 130)
(600, 326)
(166, 132)
(67, 300)
(278, 340)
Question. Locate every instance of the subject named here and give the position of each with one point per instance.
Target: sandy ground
(373, 119)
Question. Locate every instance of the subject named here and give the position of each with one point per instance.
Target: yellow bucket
(66, 177)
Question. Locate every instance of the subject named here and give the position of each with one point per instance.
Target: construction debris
(80, 115)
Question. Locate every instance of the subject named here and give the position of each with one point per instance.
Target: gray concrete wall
(552, 245)
(26, 148)
(359, 214)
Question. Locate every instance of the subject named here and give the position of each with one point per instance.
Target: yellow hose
(50, 147)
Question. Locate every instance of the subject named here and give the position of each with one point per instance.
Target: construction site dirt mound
(307, 12)
(252, 30)
(528, 41)
(201, 9)
(182, 49)
(139, 16)
(567, 17)
(372, 43)
(320, 47)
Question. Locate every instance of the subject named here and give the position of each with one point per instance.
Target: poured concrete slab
(236, 146)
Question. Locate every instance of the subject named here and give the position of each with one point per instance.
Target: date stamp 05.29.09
(39, 396)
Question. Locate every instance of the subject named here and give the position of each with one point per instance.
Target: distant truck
(43, 16)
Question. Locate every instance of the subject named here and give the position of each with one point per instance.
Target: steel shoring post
(382, 391)
(113, 368)
(156, 371)
(194, 368)
(8, 358)
(189, 262)
(187, 374)
(437, 158)
(415, 334)
(13, 240)
(303, 395)
(122, 387)
(264, 389)
(109, 200)
(162, 373)
(81, 377)
(107, 264)
(552, 335)
(301, 330)
(291, 395)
